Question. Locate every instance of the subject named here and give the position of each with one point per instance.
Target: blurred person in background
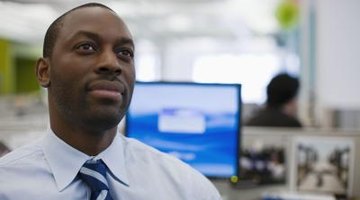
(3, 149)
(280, 109)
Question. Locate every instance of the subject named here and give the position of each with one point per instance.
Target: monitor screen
(196, 122)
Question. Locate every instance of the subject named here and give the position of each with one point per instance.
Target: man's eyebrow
(89, 34)
(94, 36)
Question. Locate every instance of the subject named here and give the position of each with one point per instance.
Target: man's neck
(81, 138)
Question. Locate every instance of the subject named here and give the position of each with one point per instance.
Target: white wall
(338, 53)
(180, 55)
(330, 43)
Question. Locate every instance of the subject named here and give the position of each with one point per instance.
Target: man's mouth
(107, 89)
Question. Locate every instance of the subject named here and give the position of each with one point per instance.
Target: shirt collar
(66, 161)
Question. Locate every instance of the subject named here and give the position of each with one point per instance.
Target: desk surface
(229, 192)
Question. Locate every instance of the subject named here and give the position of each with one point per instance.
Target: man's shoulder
(169, 170)
(21, 156)
(273, 118)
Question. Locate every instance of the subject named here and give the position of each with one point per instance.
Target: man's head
(55, 27)
(281, 90)
(88, 68)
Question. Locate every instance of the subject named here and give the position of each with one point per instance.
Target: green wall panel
(7, 83)
(25, 75)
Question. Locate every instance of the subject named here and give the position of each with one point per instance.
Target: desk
(228, 192)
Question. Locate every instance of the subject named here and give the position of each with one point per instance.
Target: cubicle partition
(303, 151)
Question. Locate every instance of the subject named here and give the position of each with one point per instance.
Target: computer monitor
(196, 122)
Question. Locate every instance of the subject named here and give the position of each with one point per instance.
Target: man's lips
(107, 89)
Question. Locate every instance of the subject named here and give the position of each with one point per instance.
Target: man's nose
(108, 63)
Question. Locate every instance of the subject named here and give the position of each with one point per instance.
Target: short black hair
(281, 89)
(54, 28)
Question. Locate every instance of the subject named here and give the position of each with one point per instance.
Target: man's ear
(43, 72)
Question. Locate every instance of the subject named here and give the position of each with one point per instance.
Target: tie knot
(93, 173)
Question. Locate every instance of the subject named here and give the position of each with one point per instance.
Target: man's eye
(126, 53)
(86, 47)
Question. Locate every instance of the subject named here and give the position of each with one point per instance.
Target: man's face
(92, 68)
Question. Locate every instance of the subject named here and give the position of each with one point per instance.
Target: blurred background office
(205, 41)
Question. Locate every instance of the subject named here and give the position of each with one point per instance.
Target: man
(281, 104)
(88, 70)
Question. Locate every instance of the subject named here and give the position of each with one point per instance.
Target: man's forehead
(99, 17)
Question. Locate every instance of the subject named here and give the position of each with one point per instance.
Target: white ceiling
(27, 20)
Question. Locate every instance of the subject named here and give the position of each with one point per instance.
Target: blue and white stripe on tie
(93, 173)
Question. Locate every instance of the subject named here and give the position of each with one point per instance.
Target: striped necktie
(93, 173)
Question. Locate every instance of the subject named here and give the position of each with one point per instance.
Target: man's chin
(101, 121)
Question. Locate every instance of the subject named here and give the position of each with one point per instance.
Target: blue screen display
(198, 123)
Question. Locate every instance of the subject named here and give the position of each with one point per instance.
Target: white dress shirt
(48, 168)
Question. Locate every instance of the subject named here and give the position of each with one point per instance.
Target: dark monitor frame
(238, 116)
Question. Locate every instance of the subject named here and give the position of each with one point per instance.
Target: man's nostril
(103, 69)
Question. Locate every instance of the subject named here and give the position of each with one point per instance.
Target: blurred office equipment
(198, 123)
(263, 165)
(323, 165)
(285, 137)
(346, 119)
